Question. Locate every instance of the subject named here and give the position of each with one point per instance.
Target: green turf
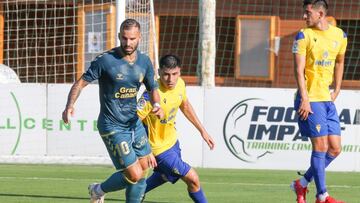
(65, 183)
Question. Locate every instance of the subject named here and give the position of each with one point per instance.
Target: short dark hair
(316, 3)
(170, 61)
(129, 23)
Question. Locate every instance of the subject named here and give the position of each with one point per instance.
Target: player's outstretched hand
(69, 111)
(209, 141)
(152, 161)
(334, 95)
(158, 112)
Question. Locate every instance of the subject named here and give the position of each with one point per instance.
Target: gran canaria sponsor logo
(124, 93)
(253, 129)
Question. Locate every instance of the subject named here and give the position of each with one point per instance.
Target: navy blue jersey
(119, 83)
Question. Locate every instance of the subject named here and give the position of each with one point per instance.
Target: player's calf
(192, 180)
(195, 191)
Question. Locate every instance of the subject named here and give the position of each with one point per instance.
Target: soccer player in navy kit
(120, 72)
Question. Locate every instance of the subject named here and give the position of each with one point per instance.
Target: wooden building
(253, 38)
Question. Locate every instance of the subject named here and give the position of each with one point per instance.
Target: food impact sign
(270, 128)
(259, 129)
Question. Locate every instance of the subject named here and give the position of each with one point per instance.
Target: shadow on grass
(68, 197)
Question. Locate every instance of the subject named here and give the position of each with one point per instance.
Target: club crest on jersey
(119, 76)
(318, 128)
(141, 103)
(164, 100)
(325, 54)
(336, 44)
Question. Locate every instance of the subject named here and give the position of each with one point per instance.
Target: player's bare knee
(144, 162)
(334, 145)
(337, 152)
(192, 180)
(134, 177)
(334, 151)
(320, 144)
(323, 148)
(134, 173)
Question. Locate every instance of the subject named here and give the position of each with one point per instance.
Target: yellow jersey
(320, 49)
(162, 133)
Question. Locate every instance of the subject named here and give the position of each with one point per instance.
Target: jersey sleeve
(343, 44)
(149, 79)
(300, 43)
(93, 73)
(144, 106)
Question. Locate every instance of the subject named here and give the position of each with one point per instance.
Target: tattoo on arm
(74, 94)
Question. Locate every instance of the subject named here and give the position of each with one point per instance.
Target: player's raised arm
(72, 97)
(190, 114)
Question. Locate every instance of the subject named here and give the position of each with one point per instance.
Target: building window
(255, 47)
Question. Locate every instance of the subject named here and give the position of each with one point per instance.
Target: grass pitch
(68, 183)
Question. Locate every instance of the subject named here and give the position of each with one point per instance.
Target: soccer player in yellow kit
(162, 132)
(319, 52)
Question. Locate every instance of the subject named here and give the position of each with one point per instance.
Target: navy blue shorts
(322, 122)
(125, 146)
(171, 165)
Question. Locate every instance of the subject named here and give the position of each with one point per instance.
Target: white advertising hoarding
(189, 137)
(257, 128)
(253, 128)
(22, 124)
(80, 137)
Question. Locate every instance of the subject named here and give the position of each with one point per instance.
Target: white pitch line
(211, 183)
(274, 184)
(41, 178)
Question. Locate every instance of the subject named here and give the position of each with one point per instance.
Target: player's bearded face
(311, 16)
(129, 40)
(169, 77)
